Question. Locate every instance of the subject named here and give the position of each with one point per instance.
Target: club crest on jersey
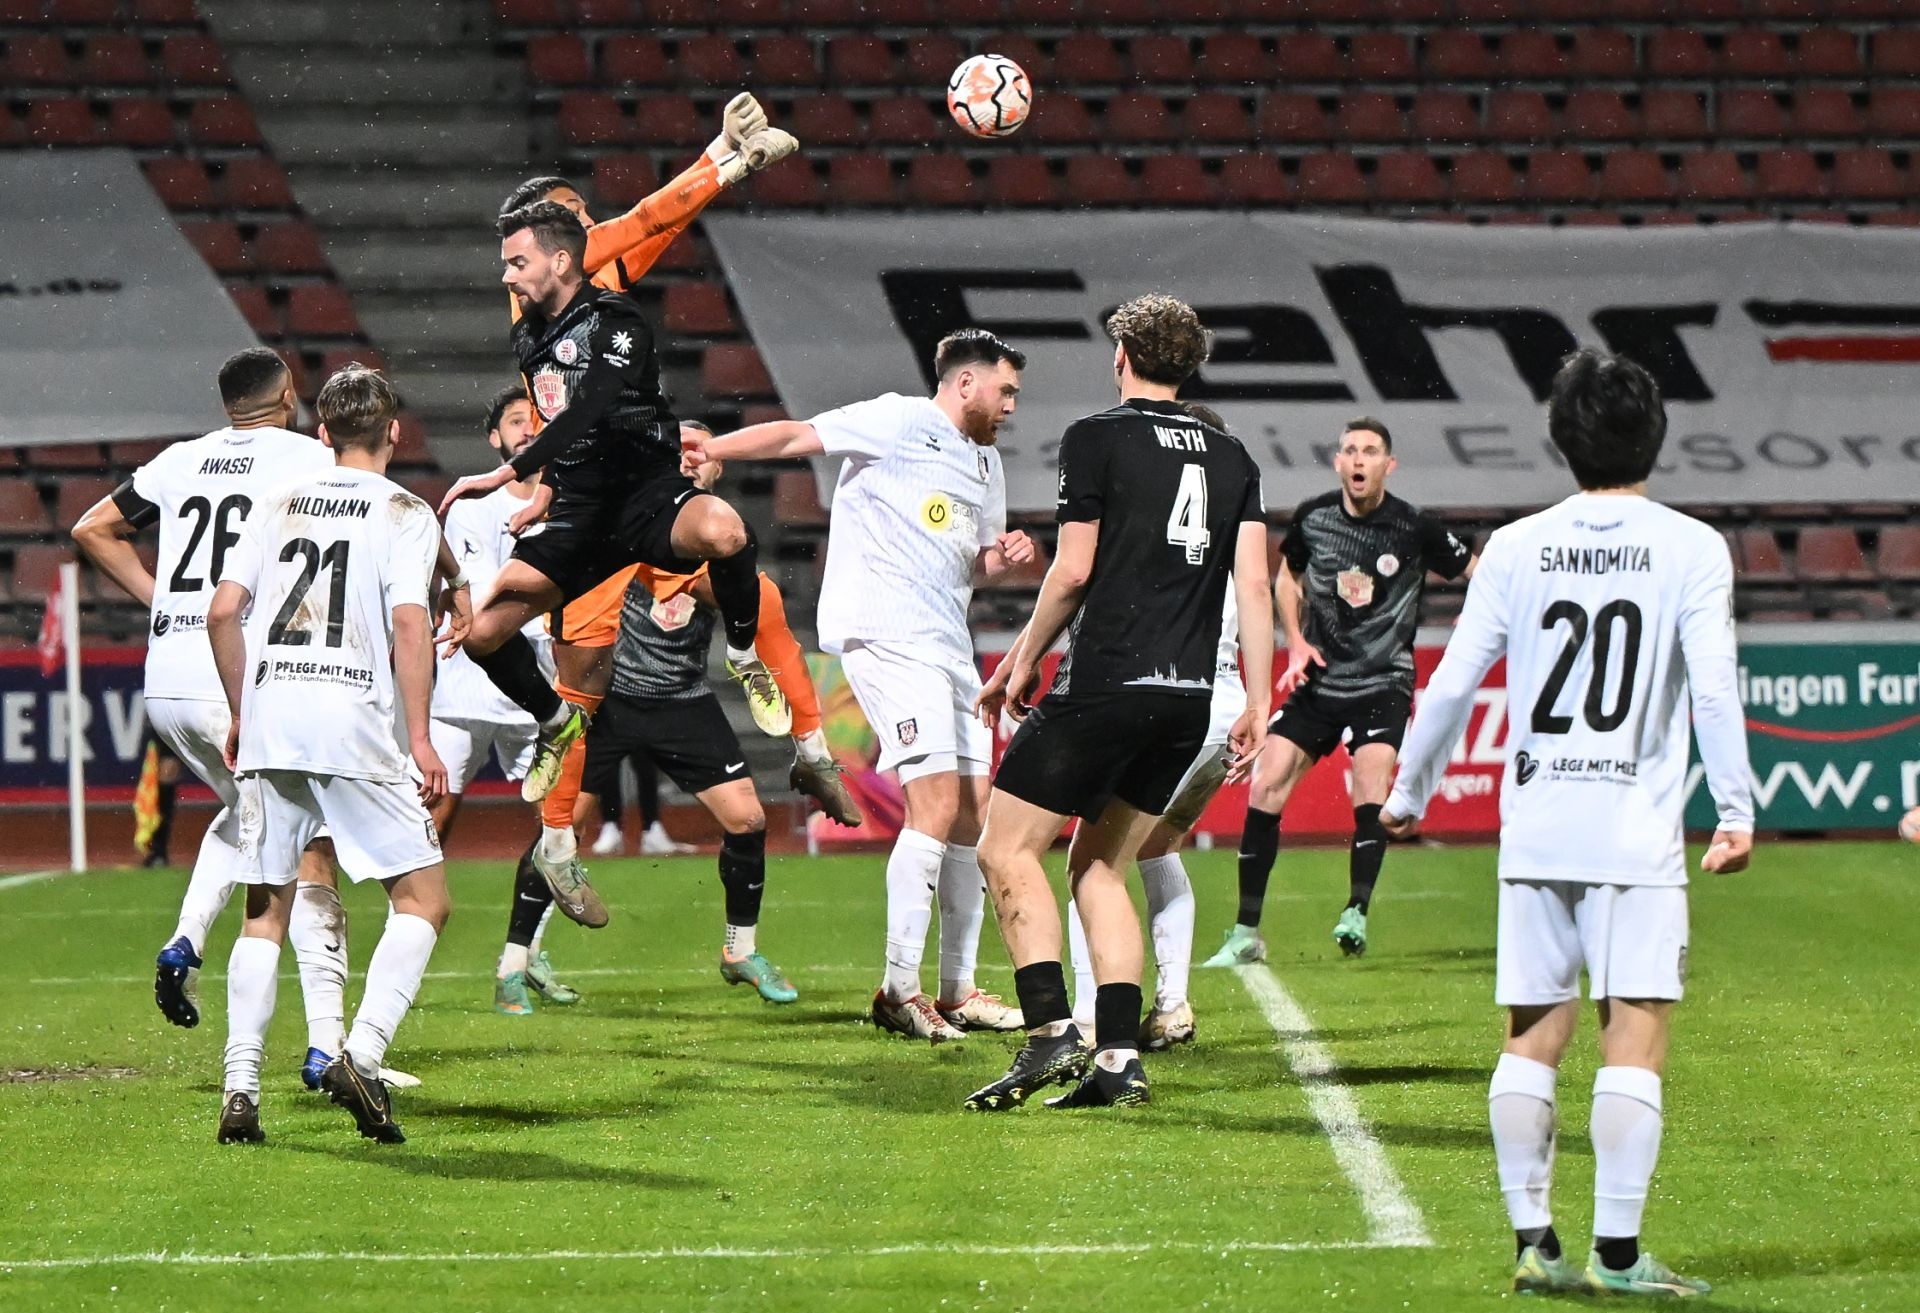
(1355, 587)
(1388, 565)
(985, 473)
(674, 612)
(549, 392)
(908, 732)
(566, 351)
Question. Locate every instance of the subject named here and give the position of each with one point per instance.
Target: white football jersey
(204, 490)
(476, 530)
(916, 501)
(1610, 610)
(327, 560)
(1229, 692)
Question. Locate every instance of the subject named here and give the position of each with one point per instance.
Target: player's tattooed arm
(104, 536)
(229, 652)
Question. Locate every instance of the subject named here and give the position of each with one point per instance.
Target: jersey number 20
(1187, 525)
(1599, 715)
(283, 630)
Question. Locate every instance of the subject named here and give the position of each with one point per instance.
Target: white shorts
(197, 734)
(1632, 939)
(921, 710)
(380, 830)
(463, 746)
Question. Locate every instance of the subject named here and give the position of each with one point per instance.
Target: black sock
(514, 669)
(1545, 1239)
(1618, 1254)
(743, 871)
(531, 898)
(164, 830)
(736, 587)
(1116, 1016)
(1259, 845)
(1364, 857)
(1042, 990)
(646, 783)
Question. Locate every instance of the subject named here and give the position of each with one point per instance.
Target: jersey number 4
(203, 513)
(1598, 714)
(1187, 525)
(290, 627)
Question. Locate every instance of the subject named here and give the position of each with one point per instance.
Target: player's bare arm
(1301, 655)
(782, 439)
(1006, 551)
(455, 600)
(413, 682)
(1013, 683)
(1249, 732)
(229, 645)
(105, 537)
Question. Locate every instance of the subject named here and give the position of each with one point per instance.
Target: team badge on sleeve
(908, 732)
(1355, 587)
(1388, 565)
(566, 351)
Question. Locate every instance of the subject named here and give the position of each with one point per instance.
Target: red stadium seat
(1790, 175)
(1413, 11)
(1453, 55)
(76, 496)
(1022, 51)
(931, 59)
(607, 13)
(1119, 13)
(1059, 120)
(1519, 116)
(1713, 175)
(82, 13)
(940, 180)
(1161, 59)
(973, 13)
(1021, 180)
(21, 510)
(637, 61)
(38, 61)
(769, 13)
(1634, 177)
(1087, 57)
(1236, 57)
(1382, 57)
(527, 13)
(1595, 115)
(902, 121)
(1177, 180)
(1757, 558)
(1898, 557)
(906, 13)
(623, 181)
(1215, 116)
(224, 121)
(36, 567)
(1099, 180)
(709, 61)
(116, 61)
(667, 119)
(1602, 52)
(1678, 52)
(1292, 116)
(255, 182)
(1706, 11)
(1484, 177)
(1488, 11)
(1827, 112)
(289, 247)
(677, 13)
(1754, 52)
(1444, 116)
(164, 13)
(1408, 178)
(63, 121)
(1137, 116)
(256, 309)
(1197, 11)
(81, 456)
(1867, 174)
(701, 309)
(860, 180)
(560, 60)
(1254, 180)
(785, 61)
(1308, 57)
(796, 500)
(1530, 55)
(180, 184)
(220, 245)
(1896, 52)
(1748, 112)
(860, 61)
(1673, 114)
(1371, 116)
(1331, 179)
(193, 60)
(140, 122)
(1894, 112)
(321, 310)
(1559, 177)
(826, 121)
(1828, 52)
(1037, 13)
(592, 118)
(1831, 554)
(335, 359)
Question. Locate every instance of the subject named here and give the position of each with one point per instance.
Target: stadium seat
(1828, 52)
(1308, 57)
(1158, 59)
(1408, 178)
(63, 121)
(796, 500)
(770, 13)
(785, 61)
(1634, 177)
(140, 122)
(1713, 175)
(180, 184)
(116, 61)
(861, 180)
(1444, 116)
(1673, 114)
(560, 59)
(21, 510)
(321, 310)
(1413, 11)
(1831, 554)
(38, 60)
(1099, 180)
(607, 13)
(1060, 120)
(1453, 55)
(591, 118)
(1138, 117)
(256, 309)
(1021, 180)
(1214, 116)
(12, 131)
(129, 456)
(1896, 52)
(860, 61)
(1748, 112)
(825, 121)
(289, 247)
(82, 13)
(1530, 55)
(1559, 177)
(1236, 58)
(902, 121)
(1021, 50)
(667, 119)
(1789, 175)
(255, 182)
(1868, 174)
(527, 13)
(1177, 180)
(734, 370)
(220, 245)
(1898, 558)
(677, 13)
(1381, 57)
(1894, 112)
(1678, 52)
(1119, 13)
(335, 359)
(1757, 558)
(1519, 116)
(1041, 13)
(709, 61)
(1291, 116)
(81, 457)
(1484, 177)
(1087, 58)
(35, 568)
(1602, 52)
(1254, 180)
(1829, 112)
(193, 60)
(940, 180)
(75, 497)
(224, 121)
(701, 309)
(907, 13)
(1754, 52)
(1330, 178)
(1370, 116)
(1596, 115)
(931, 59)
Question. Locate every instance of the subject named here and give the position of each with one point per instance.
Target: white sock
(253, 978)
(512, 958)
(552, 723)
(739, 942)
(1082, 962)
(557, 844)
(963, 910)
(393, 978)
(1114, 1059)
(1170, 918)
(913, 870)
(317, 929)
(1626, 1145)
(211, 883)
(1520, 1106)
(740, 655)
(813, 745)
(540, 931)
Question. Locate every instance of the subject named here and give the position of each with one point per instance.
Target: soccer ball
(989, 96)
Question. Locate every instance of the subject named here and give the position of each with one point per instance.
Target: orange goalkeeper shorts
(593, 618)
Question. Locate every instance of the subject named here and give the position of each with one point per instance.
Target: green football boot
(1243, 945)
(1536, 1274)
(541, 978)
(544, 773)
(1648, 1276)
(1350, 932)
(763, 975)
(510, 995)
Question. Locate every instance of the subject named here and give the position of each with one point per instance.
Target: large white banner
(1789, 355)
(111, 325)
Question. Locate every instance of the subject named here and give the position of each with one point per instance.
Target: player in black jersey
(1358, 557)
(613, 493)
(1157, 510)
(659, 701)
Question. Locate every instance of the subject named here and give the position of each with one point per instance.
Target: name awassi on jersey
(227, 465)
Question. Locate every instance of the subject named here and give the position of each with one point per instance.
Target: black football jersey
(661, 655)
(1170, 494)
(1362, 577)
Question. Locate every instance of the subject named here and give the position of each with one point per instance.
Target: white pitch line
(1393, 1219)
(31, 877)
(164, 1259)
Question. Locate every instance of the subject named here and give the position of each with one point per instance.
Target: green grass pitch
(675, 1144)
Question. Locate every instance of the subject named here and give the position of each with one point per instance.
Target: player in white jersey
(919, 515)
(1612, 612)
(334, 576)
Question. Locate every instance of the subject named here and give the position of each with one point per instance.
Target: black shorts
(586, 540)
(691, 742)
(1316, 722)
(1074, 755)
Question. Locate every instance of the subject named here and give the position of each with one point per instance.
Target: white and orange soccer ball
(989, 96)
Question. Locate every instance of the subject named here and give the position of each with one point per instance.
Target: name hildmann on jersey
(227, 465)
(329, 508)
(1596, 560)
(1181, 439)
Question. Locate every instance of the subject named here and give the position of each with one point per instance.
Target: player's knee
(746, 823)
